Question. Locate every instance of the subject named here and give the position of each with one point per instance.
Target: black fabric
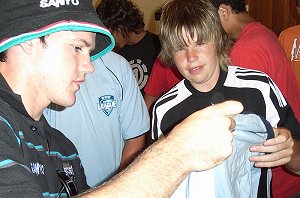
(19, 17)
(12, 99)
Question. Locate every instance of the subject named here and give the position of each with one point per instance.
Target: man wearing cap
(33, 73)
(45, 52)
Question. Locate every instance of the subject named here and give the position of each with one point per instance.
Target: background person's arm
(132, 148)
(149, 100)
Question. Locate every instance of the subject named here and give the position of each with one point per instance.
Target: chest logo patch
(140, 72)
(107, 103)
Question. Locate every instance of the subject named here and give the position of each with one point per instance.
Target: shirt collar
(14, 100)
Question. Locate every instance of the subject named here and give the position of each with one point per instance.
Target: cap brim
(75, 22)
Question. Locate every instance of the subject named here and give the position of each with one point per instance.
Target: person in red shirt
(257, 47)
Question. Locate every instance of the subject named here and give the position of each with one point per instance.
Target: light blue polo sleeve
(133, 114)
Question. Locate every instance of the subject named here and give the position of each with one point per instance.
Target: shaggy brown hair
(196, 17)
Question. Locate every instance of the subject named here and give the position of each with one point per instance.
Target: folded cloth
(236, 177)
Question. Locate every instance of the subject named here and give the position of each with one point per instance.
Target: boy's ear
(224, 11)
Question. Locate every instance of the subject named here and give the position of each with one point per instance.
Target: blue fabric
(236, 177)
(109, 109)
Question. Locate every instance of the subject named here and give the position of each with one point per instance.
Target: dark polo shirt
(32, 152)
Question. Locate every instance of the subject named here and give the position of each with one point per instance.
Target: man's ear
(224, 11)
(27, 46)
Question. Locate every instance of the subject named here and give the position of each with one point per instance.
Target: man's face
(298, 6)
(198, 63)
(61, 65)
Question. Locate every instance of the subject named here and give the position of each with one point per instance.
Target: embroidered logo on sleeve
(106, 104)
(68, 168)
(37, 168)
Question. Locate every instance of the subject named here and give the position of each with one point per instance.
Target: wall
(275, 14)
(148, 7)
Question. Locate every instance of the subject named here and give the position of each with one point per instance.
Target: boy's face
(198, 63)
(61, 64)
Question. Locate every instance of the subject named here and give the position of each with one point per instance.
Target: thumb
(229, 108)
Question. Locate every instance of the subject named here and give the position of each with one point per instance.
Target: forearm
(294, 164)
(149, 176)
(132, 148)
